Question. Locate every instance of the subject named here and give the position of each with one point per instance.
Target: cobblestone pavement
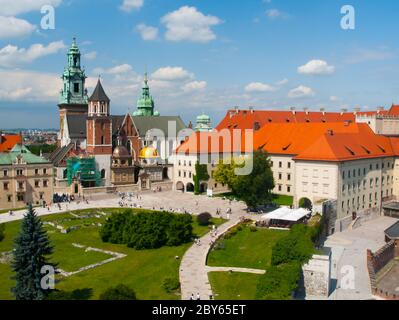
(168, 200)
(349, 250)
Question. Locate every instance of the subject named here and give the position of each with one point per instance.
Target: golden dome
(149, 153)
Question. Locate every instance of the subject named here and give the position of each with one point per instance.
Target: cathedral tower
(73, 95)
(145, 104)
(99, 124)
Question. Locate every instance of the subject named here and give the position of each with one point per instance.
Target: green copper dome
(203, 123)
(145, 104)
(74, 78)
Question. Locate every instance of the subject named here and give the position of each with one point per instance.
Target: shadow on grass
(78, 294)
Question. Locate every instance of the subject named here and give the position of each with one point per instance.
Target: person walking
(198, 296)
(192, 296)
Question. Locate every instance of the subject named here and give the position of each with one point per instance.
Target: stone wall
(376, 262)
(317, 276)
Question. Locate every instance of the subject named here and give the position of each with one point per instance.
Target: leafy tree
(147, 230)
(120, 292)
(201, 174)
(204, 218)
(297, 246)
(2, 230)
(44, 148)
(32, 246)
(305, 203)
(255, 188)
(279, 282)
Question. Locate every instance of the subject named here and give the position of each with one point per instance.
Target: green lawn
(283, 200)
(143, 271)
(233, 286)
(246, 249)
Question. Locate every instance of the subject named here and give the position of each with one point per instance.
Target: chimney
(380, 109)
(323, 110)
(330, 132)
(357, 110)
(251, 109)
(306, 110)
(237, 109)
(190, 125)
(343, 110)
(293, 110)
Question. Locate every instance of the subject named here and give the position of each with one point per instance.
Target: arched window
(103, 174)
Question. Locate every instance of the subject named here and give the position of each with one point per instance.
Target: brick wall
(378, 260)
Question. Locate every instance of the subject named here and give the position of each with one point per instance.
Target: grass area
(234, 286)
(283, 200)
(246, 249)
(144, 271)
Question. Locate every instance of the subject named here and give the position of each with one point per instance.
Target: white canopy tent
(286, 214)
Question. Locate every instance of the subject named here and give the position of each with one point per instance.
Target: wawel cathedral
(98, 149)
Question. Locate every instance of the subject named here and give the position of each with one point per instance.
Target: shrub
(239, 228)
(171, 285)
(305, 203)
(279, 282)
(297, 246)
(120, 292)
(204, 218)
(253, 229)
(2, 231)
(147, 230)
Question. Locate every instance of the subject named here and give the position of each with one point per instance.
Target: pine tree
(31, 248)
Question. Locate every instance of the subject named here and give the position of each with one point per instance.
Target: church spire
(145, 104)
(73, 91)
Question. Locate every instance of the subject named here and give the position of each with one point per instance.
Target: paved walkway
(349, 253)
(229, 269)
(193, 269)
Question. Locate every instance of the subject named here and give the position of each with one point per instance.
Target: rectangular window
(280, 164)
(20, 197)
(44, 171)
(76, 87)
(20, 172)
(289, 177)
(37, 184)
(45, 183)
(5, 185)
(9, 198)
(288, 189)
(289, 165)
(5, 173)
(36, 171)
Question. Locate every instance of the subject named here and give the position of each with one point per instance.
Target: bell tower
(99, 124)
(73, 95)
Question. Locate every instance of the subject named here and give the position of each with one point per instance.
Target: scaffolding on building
(84, 171)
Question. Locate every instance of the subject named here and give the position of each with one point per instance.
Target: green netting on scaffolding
(84, 170)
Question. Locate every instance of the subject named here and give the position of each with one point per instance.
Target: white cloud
(189, 24)
(90, 55)
(17, 85)
(301, 92)
(11, 27)
(11, 56)
(15, 7)
(274, 14)
(282, 82)
(194, 86)
(147, 32)
(171, 74)
(123, 68)
(316, 67)
(130, 5)
(259, 87)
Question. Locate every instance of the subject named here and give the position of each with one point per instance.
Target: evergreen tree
(32, 246)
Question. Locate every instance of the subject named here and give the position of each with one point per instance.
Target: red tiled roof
(8, 142)
(246, 119)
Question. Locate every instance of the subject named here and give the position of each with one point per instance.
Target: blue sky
(202, 56)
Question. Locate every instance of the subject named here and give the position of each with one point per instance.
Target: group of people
(193, 298)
